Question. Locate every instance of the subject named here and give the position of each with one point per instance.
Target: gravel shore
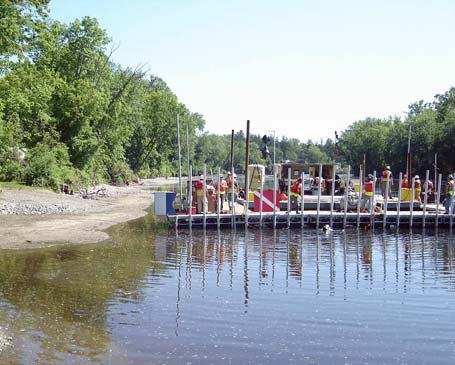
(32, 218)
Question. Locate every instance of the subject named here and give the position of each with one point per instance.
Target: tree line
(69, 114)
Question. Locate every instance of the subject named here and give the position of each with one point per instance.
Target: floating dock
(313, 219)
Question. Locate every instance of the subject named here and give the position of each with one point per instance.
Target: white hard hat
(202, 177)
(417, 176)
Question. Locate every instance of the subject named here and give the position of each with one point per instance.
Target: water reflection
(244, 296)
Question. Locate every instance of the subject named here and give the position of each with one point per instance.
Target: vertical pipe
(231, 162)
(218, 200)
(261, 198)
(372, 201)
(289, 197)
(425, 198)
(190, 198)
(359, 200)
(345, 212)
(232, 197)
(302, 195)
(319, 196)
(438, 197)
(435, 169)
(247, 177)
(274, 196)
(386, 204)
(187, 146)
(180, 163)
(411, 207)
(204, 196)
(332, 198)
(400, 181)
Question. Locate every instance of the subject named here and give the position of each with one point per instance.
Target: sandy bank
(78, 220)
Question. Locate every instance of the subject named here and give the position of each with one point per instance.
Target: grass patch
(15, 185)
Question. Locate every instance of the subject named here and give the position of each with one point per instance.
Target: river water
(152, 296)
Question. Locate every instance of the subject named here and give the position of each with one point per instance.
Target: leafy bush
(47, 166)
(120, 173)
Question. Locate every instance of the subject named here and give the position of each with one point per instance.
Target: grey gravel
(45, 202)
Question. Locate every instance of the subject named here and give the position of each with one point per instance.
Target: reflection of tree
(63, 292)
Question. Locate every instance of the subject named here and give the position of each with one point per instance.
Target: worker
(316, 184)
(201, 200)
(386, 178)
(368, 194)
(296, 191)
(429, 191)
(417, 188)
(450, 192)
(232, 189)
(221, 189)
(405, 182)
(283, 197)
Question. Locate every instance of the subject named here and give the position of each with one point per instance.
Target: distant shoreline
(86, 221)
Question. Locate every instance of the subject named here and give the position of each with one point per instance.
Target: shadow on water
(242, 296)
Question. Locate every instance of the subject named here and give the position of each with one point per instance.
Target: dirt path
(85, 224)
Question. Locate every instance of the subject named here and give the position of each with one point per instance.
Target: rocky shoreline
(31, 218)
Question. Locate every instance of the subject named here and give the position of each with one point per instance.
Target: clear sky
(300, 68)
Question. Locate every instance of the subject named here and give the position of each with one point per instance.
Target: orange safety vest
(296, 188)
(386, 175)
(199, 185)
(369, 188)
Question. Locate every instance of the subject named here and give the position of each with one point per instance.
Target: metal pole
(386, 203)
(204, 196)
(231, 162)
(218, 199)
(425, 198)
(302, 195)
(360, 196)
(289, 197)
(332, 198)
(435, 169)
(372, 201)
(346, 197)
(400, 181)
(190, 189)
(232, 197)
(180, 163)
(438, 197)
(188, 146)
(274, 196)
(247, 182)
(411, 207)
(261, 198)
(319, 196)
